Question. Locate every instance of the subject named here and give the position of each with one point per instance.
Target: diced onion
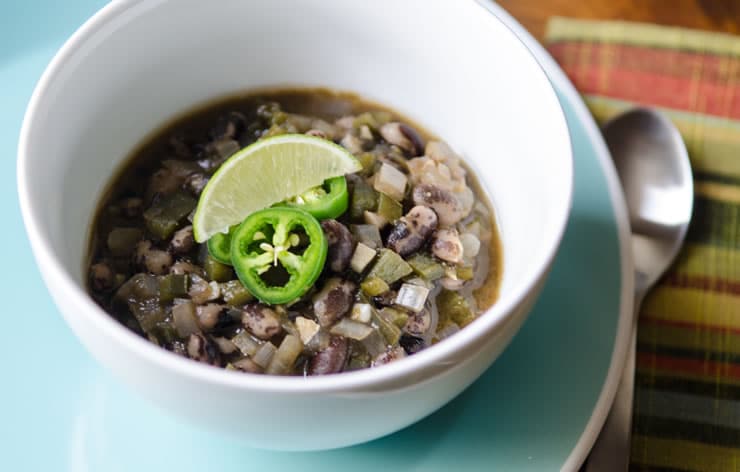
(245, 343)
(225, 345)
(471, 245)
(361, 312)
(374, 219)
(284, 358)
(264, 354)
(319, 342)
(412, 297)
(307, 329)
(362, 256)
(391, 181)
(184, 318)
(368, 235)
(202, 291)
(225, 147)
(351, 329)
(365, 133)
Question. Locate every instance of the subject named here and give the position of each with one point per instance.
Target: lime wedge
(264, 173)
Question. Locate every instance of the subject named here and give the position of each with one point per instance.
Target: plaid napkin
(687, 394)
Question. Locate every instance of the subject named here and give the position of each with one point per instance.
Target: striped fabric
(687, 399)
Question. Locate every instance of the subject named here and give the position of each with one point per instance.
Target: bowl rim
(429, 360)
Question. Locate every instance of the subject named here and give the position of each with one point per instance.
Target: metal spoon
(654, 170)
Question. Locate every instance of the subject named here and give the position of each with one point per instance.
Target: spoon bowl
(655, 173)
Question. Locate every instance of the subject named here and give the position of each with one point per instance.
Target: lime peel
(264, 173)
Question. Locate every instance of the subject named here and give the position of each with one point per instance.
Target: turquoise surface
(60, 411)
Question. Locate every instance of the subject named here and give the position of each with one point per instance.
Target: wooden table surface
(714, 15)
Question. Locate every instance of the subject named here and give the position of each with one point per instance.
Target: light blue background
(60, 411)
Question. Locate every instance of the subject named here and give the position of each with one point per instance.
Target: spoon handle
(611, 452)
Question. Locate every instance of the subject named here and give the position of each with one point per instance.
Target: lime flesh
(264, 173)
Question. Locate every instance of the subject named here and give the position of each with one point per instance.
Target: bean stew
(410, 248)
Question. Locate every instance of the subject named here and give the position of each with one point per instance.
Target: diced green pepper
(426, 266)
(372, 119)
(163, 218)
(381, 117)
(465, 272)
(359, 357)
(139, 287)
(364, 198)
(161, 228)
(453, 306)
(173, 286)
(375, 344)
(148, 313)
(373, 286)
(368, 235)
(121, 241)
(279, 117)
(217, 271)
(384, 321)
(365, 119)
(390, 267)
(397, 317)
(388, 208)
(368, 160)
(235, 293)
(141, 294)
(274, 130)
(164, 332)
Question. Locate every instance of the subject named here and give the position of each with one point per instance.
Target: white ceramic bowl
(448, 64)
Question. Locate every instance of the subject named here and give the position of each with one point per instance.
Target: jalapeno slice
(278, 253)
(326, 201)
(219, 246)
